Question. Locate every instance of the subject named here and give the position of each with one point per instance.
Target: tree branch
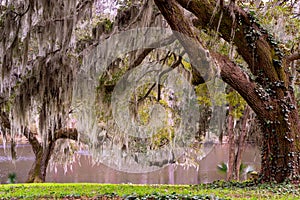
(66, 133)
(145, 52)
(173, 66)
(147, 93)
(252, 41)
(230, 73)
(239, 80)
(293, 57)
(32, 139)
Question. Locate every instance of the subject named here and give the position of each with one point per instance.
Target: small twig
(173, 66)
(147, 94)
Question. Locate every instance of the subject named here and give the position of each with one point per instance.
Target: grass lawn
(216, 190)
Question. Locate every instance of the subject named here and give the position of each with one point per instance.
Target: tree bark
(236, 144)
(241, 143)
(270, 95)
(37, 173)
(231, 147)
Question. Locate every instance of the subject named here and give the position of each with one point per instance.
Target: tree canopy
(53, 53)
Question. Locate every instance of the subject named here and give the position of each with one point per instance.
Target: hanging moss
(36, 72)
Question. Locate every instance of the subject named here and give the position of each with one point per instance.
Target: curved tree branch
(293, 57)
(236, 78)
(253, 43)
(145, 52)
(230, 72)
(32, 139)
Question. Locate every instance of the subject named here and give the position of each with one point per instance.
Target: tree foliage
(253, 46)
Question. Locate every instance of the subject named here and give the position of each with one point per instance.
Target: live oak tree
(266, 87)
(42, 49)
(38, 60)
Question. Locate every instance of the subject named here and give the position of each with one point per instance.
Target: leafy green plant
(244, 169)
(12, 178)
(215, 190)
(222, 168)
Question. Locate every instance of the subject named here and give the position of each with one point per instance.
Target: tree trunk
(280, 123)
(231, 147)
(280, 149)
(37, 173)
(34, 175)
(241, 143)
(236, 146)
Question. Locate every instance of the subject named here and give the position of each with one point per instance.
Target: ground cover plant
(215, 190)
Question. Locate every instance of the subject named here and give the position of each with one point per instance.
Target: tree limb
(255, 51)
(66, 133)
(31, 137)
(293, 57)
(147, 93)
(173, 66)
(230, 73)
(145, 52)
(237, 79)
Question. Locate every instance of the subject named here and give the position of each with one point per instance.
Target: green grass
(217, 190)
